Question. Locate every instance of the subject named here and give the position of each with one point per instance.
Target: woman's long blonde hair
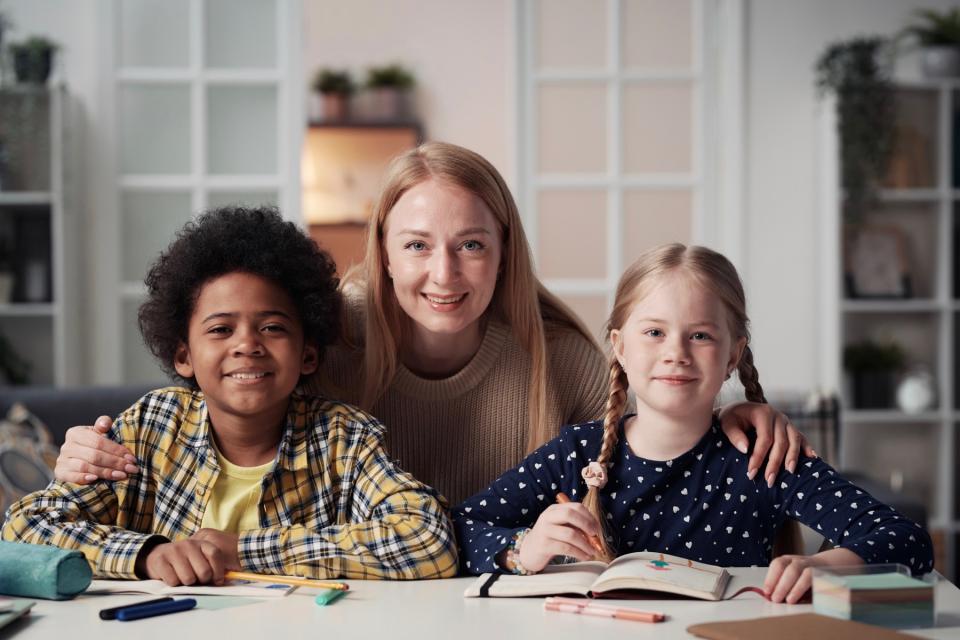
(520, 300)
(708, 268)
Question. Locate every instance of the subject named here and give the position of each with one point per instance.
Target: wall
(784, 39)
(461, 51)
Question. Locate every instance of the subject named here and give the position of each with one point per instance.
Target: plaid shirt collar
(292, 450)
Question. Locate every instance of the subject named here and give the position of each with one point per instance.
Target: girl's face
(443, 249)
(676, 347)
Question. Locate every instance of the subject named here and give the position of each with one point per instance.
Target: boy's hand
(561, 530)
(789, 577)
(87, 455)
(228, 544)
(185, 562)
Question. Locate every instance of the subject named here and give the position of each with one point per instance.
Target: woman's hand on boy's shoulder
(88, 455)
(776, 437)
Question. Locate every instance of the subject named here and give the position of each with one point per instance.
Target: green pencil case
(40, 571)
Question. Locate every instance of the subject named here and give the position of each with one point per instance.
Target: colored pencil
(569, 605)
(593, 540)
(297, 582)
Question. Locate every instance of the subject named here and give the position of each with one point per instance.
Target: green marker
(329, 596)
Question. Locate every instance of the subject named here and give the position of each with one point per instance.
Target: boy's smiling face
(245, 347)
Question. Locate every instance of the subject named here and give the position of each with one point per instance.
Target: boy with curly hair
(238, 470)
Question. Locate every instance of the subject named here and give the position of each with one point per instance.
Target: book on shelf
(158, 587)
(643, 570)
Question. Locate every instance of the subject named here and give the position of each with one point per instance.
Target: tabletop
(414, 610)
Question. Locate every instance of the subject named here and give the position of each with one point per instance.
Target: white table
(413, 610)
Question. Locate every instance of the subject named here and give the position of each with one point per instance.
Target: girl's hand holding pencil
(563, 529)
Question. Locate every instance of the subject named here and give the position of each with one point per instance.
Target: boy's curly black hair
(231, 239)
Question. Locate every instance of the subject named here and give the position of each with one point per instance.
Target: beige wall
(462, 52)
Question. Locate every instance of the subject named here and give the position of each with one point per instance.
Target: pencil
(297, 582)
(593, 540)
(648, 616)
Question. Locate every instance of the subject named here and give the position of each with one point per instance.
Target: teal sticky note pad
(329, 596)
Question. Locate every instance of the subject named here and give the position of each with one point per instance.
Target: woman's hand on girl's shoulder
(88, 455)
(776, 437)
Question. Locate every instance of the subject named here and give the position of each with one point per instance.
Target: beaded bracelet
(513, 554)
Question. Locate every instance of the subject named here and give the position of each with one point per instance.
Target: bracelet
(513, 554)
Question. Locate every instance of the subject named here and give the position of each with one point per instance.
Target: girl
(454, 343)
(664, 478)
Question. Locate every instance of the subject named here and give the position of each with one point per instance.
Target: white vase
(940, 61)
(916, 393)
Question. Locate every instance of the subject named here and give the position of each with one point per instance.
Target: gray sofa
(63, 407)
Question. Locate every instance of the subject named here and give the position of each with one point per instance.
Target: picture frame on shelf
(876, 262)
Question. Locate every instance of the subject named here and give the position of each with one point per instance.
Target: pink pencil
(569, 605)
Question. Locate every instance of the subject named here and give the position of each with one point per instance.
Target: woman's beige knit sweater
(458, 434)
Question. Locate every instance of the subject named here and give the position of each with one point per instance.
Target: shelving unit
(916, 454)
(40, 319)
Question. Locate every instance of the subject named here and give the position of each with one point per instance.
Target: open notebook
(644, 570)
(230, 588)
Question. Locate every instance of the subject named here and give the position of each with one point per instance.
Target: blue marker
(160, 608)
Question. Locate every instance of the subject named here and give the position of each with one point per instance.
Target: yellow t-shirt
(235, 497)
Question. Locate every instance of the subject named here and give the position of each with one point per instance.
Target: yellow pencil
(297, 582)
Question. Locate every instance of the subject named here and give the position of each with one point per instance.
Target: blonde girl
(664, 478)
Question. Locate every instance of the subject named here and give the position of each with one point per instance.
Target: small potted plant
(873, 367)
(939, 37)
(858, 72)
(334, 88)
(33, 59)
(390, 87)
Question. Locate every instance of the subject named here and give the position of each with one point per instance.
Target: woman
(453, 342)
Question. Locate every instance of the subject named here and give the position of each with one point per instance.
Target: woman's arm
(776, 437)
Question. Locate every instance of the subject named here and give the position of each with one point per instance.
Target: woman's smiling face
(443, 249)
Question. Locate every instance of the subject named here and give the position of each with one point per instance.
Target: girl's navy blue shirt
(700, 505)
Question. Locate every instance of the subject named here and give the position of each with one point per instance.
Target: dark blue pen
(158, 609)
(111, 613)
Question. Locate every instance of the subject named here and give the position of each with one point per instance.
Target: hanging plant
(858, 72)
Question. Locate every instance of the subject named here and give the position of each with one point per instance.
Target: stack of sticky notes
(887, 598)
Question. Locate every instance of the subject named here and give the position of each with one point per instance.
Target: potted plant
(939, 37)
(335, 88)
(33, 59)
(873, 367)
(858, 72)
(390, 87)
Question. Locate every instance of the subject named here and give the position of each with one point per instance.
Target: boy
(239, 471)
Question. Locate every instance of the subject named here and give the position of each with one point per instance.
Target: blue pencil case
(40, 571)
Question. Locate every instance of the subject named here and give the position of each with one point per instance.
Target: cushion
(27, 455)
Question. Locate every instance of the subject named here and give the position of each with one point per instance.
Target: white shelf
(19, 198)
(889, 416)
(27, 309)
(906, 305)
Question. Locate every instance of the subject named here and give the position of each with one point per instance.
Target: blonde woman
(452, 341)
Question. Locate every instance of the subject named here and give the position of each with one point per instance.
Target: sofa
(60, 408)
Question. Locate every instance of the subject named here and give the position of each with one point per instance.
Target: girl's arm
(776, 437)
(863, 529)
(523, 498)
